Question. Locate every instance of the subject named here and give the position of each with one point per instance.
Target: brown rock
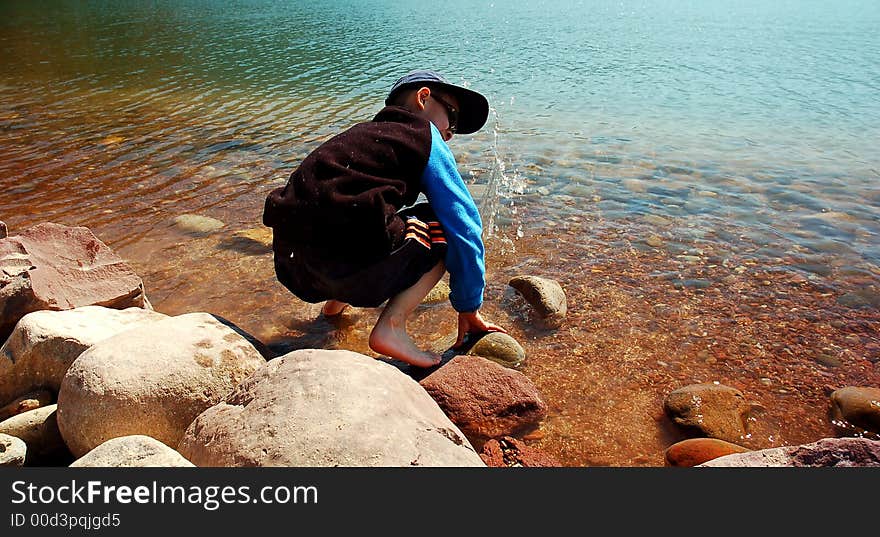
(710, 409)
(4, 231)
(56, 267)
(694, 451)
(509, 452)
(26, 402)
(855, 411)
(545, 295)
(484, 399)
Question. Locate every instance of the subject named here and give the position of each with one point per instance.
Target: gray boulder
(327, 408)
(132, 451)
(153, 380)
(44, 344)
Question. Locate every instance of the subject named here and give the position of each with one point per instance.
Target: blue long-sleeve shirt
(460, 219)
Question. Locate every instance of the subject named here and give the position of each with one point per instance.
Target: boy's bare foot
(393, 341)
(333, 307)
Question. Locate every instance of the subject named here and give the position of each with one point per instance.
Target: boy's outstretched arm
(472, 322)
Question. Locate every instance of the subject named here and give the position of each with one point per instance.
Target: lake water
(701, 179)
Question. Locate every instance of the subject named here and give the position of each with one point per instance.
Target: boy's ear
(422, 97)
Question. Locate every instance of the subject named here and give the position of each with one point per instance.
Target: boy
(347, 229)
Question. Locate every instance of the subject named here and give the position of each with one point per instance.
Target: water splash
(500, 191)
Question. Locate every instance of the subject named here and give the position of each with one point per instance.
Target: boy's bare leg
(333, 307)
(389, 336)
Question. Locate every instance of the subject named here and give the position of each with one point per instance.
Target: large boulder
(132, 451)
(828, 452)
(13, 451)
(38, 429)
(44, 344)
(710, 409)
(56, 267)
(856, 411)
(153, 379)
(484, 399)
(327, 408)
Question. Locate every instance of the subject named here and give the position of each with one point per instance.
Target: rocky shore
(92, 375)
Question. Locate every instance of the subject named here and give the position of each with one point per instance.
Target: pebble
(194, 223)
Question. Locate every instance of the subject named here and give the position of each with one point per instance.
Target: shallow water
(702, 180)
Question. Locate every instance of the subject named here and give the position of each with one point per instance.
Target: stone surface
(44, 344)
(855, 410)
(484, 399)
(132, 451)
(153, 380)
(38, 429)
(13, 451)
(828, 452)
(546, 296)
(327, 408)
(55, 267)
(710, 409)
(499, 347)
(195, 224)
(694, 451)
(23, 403)
(439, 294)
(4, 231)
(508, 452)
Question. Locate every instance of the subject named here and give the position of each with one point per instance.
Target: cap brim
(473, 108)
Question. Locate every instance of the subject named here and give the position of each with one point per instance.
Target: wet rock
(498, 347)
(710, 409)
(38, 429)
(133, 451)
(4, 231)
(508, 452)
(855, 410)
(13, 451)
(26, 402)
(694, 451)
(55, 267)
(484, 399)
(654, 241)
(153, 380)
(828, 452)
(196, 224)
(44, 344)
(327, 408)
(863, 298)
(544, 295)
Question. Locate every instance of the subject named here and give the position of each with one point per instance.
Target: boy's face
(438, 108)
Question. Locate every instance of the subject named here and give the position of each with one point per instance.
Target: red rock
(484, 399)
(694, 451)
(508, 451)
(56, 267)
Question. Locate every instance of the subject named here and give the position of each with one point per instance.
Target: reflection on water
(715, 227)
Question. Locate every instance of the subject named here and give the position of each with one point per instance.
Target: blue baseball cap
(473, 107)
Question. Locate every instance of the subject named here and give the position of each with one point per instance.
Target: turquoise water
(695, 136)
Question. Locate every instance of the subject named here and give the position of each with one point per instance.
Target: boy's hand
(470, 322)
